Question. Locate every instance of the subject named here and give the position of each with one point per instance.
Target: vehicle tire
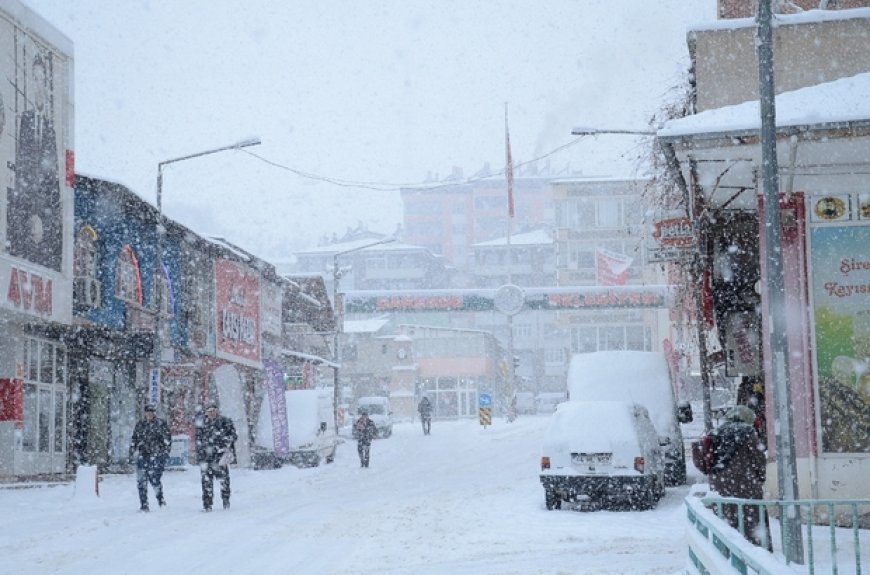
(552, 500)
(675, 475)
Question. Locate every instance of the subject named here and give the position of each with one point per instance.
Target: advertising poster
(840, 283)
(237, 302)
(33, 106)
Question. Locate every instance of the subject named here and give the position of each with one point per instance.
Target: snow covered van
(641, 377)
(305, 437)
(602, 453)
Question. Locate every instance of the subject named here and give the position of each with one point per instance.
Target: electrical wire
(395, 187)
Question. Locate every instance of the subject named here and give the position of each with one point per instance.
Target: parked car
(525, 403)
(641, 377)
(602, 453)
(547, 402)
(309, 436)
(379, 412)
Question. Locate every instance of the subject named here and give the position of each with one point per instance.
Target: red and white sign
(611, 268)
(677, 231)
(237, 303)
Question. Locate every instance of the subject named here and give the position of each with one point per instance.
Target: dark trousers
(363, 448)
(149, 469)
(209, 472)
(427, 424)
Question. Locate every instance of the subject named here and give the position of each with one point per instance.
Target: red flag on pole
(611, 268)
(509, 166)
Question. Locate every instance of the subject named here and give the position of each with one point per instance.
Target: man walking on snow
(151, 438)
(364, 430)
(215, 449)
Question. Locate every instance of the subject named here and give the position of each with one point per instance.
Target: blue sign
(484, 400)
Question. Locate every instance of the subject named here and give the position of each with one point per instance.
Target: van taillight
(638, 464)
(545, 463)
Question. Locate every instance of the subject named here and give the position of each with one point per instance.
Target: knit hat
(740, 413)
(150, 407)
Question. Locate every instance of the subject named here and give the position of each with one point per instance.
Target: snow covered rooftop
(840, 101)
(536, 237)
(365, 325)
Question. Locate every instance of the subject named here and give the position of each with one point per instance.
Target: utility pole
(778, 323)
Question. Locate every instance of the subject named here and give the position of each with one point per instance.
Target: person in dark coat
(215, 450)
(152, 440)
(364, 430)
(425, 409)
(739, 470)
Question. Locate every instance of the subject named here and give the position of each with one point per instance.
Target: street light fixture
(339, 317)
(157, 350)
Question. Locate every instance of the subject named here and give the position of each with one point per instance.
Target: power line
(395, 187)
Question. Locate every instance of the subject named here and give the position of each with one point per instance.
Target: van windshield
(374, 409)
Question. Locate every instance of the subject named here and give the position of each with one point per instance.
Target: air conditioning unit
(88, 292)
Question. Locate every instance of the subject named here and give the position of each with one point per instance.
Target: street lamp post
(157, 349)
(339, 318)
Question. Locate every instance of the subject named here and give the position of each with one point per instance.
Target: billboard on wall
(37, 172)
(237, 304)
(839, 254)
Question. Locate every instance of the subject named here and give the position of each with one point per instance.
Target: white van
(379, 412)
(641, 377)
(545, 403)
(309, 436)
(602, 453)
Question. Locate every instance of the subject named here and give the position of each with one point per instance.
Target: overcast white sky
(381, 91)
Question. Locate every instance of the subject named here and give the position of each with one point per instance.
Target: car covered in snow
(546, 402)
(602, 453)
(641, 377)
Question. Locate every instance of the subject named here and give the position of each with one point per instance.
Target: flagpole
(509, 177)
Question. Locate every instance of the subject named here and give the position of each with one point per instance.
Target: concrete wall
(805, 54)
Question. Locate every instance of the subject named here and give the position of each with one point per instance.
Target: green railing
(836, 534)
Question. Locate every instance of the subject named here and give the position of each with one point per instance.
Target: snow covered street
(464, 500)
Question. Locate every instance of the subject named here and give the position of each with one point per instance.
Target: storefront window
(59, 419)
(32, 349)
(46, 365)
(44, 409)
(60, 365)
(44, 397)
(30, 427)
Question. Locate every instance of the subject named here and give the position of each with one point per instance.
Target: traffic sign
(484, 400)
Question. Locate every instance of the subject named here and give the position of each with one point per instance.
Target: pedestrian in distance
(152, 440)
(364, 430)
(215, 450)
(425, 409)
(738, 471)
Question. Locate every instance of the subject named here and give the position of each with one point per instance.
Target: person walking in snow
(215, 450)
(739, 470)
(152, 440)
(425, 409)
(364, 430)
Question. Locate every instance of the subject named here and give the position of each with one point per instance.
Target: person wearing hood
(364, 431)
(425, 409)
(738, 471)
